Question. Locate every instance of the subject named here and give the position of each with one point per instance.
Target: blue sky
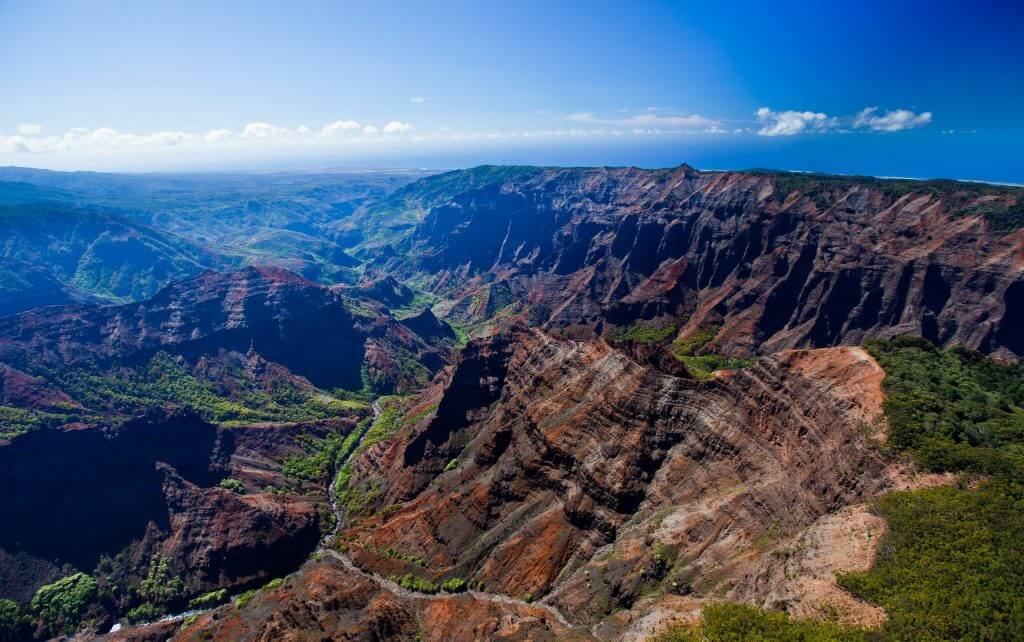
(897, 88)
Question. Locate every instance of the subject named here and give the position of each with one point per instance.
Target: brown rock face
(328, 601)
(777, 261)
(146, 487)
(599, 483)
(273, 317)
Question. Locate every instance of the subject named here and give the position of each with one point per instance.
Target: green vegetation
(664, 554)
(825, 190)
(392, 419)
(62, 604)
(207, 600)
(232, 484)
(322, 459)
(17, 421)
(702, 365)
(951, 566)
(689, 346)
(242, 600)
(454, 585)
(15, 624)
(146, 612)
(1001, 217)
(452, 465)
(387, 424)
(273, 584)
(413, 559)
(955, 409)
(743, 623)
(642, 332)
(461, 335)
(163, 382)
(770, 536)
(412, 582)
(159, 586)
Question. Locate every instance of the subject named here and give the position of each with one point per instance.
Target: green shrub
(412, 582)
(62, 604)
(159, 586)
(453, 585)
(641, 332)
(704, 365)
(452, 465)
(208, 600)
(273, 584)
(689, 346)
(242, 600)
(743, 623)
(15, 624)
(143, 613)
(233, 485)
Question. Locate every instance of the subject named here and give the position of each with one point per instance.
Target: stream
(323, 548)
(326, 548)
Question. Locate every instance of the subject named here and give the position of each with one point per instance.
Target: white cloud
(646, 123)
(339, 127)
(690, 122)
(418, 99)
(264, 132)
(217, 136)
(166, 139)
(790, 123)
(891, 121)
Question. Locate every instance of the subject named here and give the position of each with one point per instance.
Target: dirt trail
(383, 582)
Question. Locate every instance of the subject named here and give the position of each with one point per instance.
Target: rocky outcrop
(264, 325)
(328, 600)
(271, 312)
(775, 260)
(148, 487)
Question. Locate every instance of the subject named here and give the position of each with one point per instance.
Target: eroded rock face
(148, 487)
(327, 601)
(257, 319)
(776, 264)
(602, 484)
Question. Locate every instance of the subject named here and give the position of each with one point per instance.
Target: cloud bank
(791, 123)
(31, 138)
(690, 123)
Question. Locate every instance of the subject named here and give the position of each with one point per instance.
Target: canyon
(531, 403)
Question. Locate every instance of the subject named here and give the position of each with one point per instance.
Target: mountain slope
(770, 261)
(256, 344)
(615, 495)
(53, 254)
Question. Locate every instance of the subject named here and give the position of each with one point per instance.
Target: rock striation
(776, 261)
